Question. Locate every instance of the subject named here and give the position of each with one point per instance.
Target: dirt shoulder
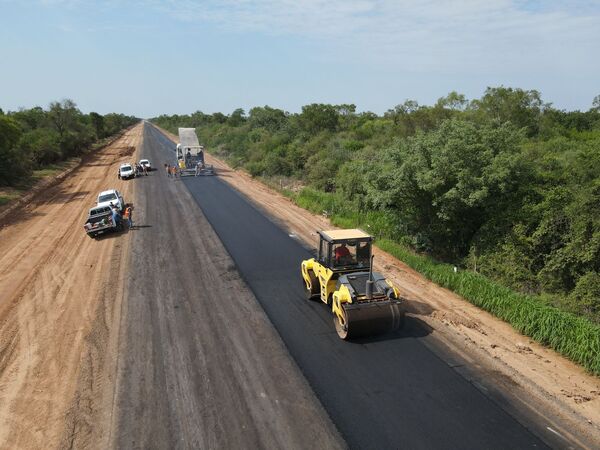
(60, 305)
(562, 392)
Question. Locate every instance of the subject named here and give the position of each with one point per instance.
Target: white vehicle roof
(110, 191)
(144, 161)
(125, 165)
(188, 138)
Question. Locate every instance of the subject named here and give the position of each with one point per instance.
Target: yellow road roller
(363, 302)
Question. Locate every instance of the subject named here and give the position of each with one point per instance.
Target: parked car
(126, 171)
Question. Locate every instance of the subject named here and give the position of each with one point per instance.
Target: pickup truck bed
(99, 221)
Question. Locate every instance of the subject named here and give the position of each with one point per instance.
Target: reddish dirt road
(529, 373)
(60, 297)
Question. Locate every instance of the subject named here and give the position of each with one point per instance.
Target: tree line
(505, 185)
(33, 138)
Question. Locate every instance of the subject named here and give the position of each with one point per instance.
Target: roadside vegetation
(505, 187)
(39, 142)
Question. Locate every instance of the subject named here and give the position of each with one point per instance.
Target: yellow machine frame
(320, 280)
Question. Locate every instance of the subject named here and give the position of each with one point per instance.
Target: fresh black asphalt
(383, 393)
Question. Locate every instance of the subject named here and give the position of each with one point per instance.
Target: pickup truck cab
(100, 220)
(146, 163)
(105, 198)
(126, 171)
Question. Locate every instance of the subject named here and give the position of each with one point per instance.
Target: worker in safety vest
(127, 216)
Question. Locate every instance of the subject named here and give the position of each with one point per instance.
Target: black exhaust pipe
(369, 286)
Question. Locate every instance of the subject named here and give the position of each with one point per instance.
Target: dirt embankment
(60, 297)
(559, 389)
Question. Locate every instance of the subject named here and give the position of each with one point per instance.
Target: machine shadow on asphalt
(413, 328)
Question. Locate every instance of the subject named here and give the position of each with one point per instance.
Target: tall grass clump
(575, 337)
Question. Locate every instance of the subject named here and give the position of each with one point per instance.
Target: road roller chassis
(363, 302)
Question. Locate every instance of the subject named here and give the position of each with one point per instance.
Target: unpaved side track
(59, 301)
(200, 364)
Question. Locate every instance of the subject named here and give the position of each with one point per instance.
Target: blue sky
(148, 57)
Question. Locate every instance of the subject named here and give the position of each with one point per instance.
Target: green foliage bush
(33, 138)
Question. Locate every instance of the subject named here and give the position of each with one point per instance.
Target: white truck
(100, 220)
(190, 155)
(111, 196)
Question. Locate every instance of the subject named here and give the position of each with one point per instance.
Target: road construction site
(193, 331)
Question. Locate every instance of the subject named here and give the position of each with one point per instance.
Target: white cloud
(422, 34)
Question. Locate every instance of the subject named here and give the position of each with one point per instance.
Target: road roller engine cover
(363, 302)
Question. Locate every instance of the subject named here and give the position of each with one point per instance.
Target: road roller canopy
(344, 235)
(345, 250)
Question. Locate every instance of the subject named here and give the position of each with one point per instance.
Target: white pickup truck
(100, 220)
(111, 196)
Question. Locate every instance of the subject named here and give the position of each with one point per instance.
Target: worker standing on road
(116, 216)
(198, 168)
(127, 215)
(168, 170)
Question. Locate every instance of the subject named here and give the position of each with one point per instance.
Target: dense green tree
(237, 118)
(521, 107)
(13, 164)
(30, 119)
(48, 136)
(446, 184)
(42, 145)
(269, 118)
(319, 117)
(98, 124)
(64, 116)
